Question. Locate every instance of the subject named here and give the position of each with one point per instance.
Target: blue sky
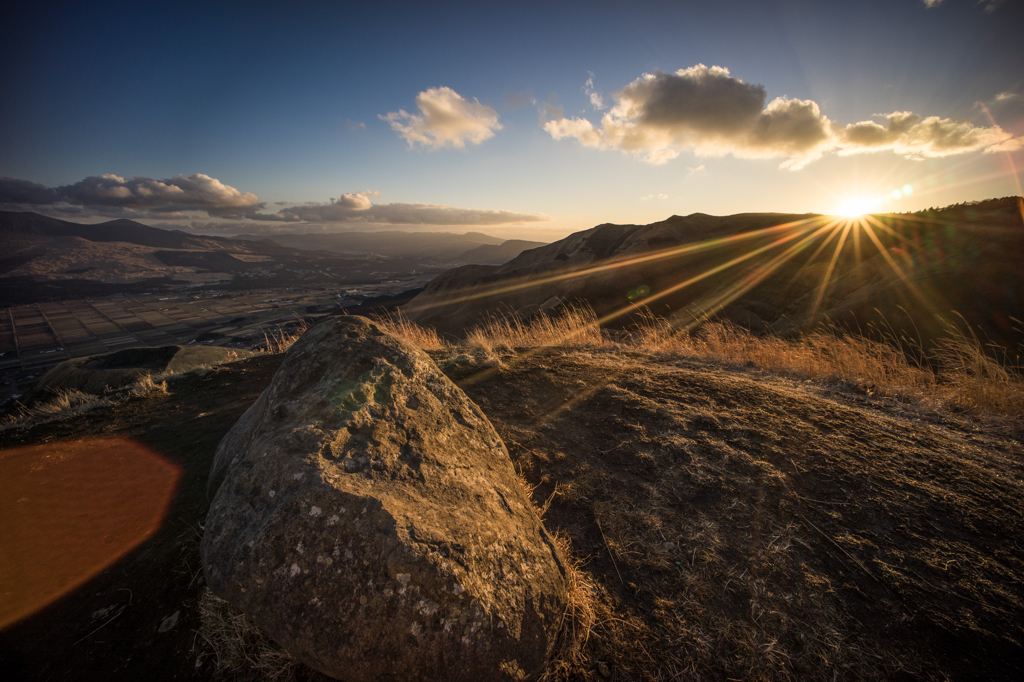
(270, 108)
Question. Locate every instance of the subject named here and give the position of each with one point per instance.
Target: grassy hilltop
(737, 508)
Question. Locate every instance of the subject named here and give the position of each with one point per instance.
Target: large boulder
(367, 517)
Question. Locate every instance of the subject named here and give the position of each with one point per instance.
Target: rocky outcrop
(367, 517)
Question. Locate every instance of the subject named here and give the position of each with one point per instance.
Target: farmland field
(34, 338)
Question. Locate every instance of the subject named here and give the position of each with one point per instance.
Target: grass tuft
(570, 653)
(65, 404)
(146, 387)
(423, 337)
(573, 326)
(279, 340)
(237, 645)
(961, 373)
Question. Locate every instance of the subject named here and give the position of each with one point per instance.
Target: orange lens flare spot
(69, 510)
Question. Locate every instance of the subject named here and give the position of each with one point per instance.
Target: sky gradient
(523, 121)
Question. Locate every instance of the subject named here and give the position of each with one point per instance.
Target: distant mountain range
(899, 273)
(126, 231)
(470, 247)
(497, 254)
(43, 258)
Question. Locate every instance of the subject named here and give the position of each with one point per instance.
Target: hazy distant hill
(497, 254)
(44, 258)
(434, 245)
(759, 271)
(127, 231)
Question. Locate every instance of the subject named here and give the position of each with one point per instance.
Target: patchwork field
(34, 338)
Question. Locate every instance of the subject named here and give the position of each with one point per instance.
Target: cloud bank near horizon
(180, 197)
(108, 194)
(709, 111)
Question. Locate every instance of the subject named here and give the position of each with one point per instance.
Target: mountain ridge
(905, 274)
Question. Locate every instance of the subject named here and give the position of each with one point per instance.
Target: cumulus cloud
(196, 192)
(445, 119)
(14, 191)
(916, 138)
(180, 197)
(113, 194)
(707, 110)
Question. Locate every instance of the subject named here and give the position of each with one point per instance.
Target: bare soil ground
(736, 525)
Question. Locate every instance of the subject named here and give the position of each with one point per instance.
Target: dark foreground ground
(735, 525)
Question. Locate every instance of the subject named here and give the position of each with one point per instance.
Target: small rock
(169, 622)
(668, 546)
(603, 668)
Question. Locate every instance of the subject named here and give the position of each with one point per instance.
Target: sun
(855, 206)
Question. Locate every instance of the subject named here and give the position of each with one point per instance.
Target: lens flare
(70, 510)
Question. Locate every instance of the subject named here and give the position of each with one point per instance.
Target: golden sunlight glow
(855, 206)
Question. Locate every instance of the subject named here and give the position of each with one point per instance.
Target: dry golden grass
(821, 355)
(960, 375)
(575, 326)
(581, 599)
(278, 341)
(146, 387)
(577, 621)
(66, 403)
(973, 380)
(423, 337)
(237, 645)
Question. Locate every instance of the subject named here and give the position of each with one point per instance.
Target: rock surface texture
(366, 516)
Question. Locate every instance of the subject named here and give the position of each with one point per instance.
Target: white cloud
(988, 6)
(654, 196)
(1007, 110)
(707, 110)
(915, 137)
(180, 193)
(445, 119)
(357, 208)
(694, 171)
(358, 201)
(596, 100)
(116, 197)
(16, 192)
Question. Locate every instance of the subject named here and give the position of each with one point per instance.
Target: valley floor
(734, 524)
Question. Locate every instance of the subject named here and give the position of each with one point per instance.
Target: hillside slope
(735, 525)
(784, 272)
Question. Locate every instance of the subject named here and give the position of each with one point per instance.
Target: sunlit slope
(780, 271)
